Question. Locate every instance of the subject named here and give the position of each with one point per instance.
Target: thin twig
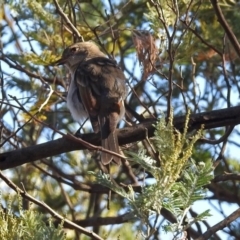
(224, 223)
(68, 22)
(68, 135)
(232, 38)
(24, 194)
(221, 139)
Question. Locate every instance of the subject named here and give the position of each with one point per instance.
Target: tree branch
(68, 22)
(24, 194)
(224, 223)
(226, 27)
(213, 119)
(227, 177)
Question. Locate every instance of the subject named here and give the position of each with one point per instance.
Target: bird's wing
(101, 86)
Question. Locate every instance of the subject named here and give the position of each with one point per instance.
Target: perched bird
(97, 89)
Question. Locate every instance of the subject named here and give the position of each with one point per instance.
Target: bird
(97, 90)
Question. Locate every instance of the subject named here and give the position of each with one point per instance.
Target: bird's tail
(110, 142)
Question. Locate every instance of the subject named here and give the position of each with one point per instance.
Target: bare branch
(24, 194)
(226, 27)
(227, 177)
(68, 22)
(213, 119)
(224, 223)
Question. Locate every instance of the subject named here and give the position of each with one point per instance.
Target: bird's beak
(61, 61)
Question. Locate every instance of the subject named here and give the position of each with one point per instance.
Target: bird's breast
(75, 104)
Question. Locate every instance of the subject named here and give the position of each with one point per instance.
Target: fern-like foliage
(27, 225)
(179, 181)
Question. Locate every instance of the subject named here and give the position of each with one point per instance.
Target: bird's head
(78, 52)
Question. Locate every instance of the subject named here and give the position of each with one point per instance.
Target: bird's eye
(74, 49)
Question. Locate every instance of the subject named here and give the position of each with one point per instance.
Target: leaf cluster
(28, 225)
(178, 180)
